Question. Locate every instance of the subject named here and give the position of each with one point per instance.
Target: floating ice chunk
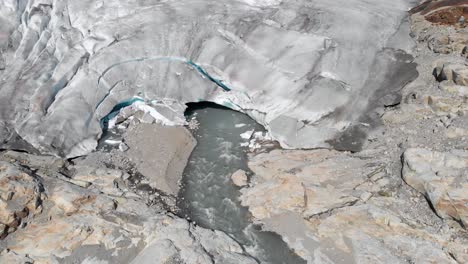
(256, 140)
(254, 145)
(240, 125)
(262, 136)
(154, 113)
(112, 141)
(247, 134)
(123, 147)
(112, 123)
(150, 114)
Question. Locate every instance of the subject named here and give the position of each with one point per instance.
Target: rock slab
(442, 178)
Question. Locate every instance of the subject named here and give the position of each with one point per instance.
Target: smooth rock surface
(160, 153)
(239, 178)
(310, 72)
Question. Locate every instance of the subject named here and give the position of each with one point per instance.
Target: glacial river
(208, 196)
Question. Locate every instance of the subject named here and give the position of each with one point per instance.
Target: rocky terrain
(404, 198)
(67, 76)
(57, 212)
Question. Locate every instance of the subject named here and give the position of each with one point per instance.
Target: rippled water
(208, 195)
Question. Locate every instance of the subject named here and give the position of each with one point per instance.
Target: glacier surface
(312, 73)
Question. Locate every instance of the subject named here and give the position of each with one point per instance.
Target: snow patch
(247, 135)
(112, 141)
(153, 113)
(262, 3)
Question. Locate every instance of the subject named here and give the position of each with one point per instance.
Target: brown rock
(239, 178)
(440, 38)
(446, 12)
(74, 199)
(23, 213)
(19, 195)
(442, 178)
(84, 225)
(3, 231)
(282, 194)
(6, 214)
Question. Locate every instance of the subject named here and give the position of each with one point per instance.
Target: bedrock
(311, 72)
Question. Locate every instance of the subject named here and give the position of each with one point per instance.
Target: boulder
(239, 178)
(443, 106)
(442, 178)
(160, 153)
(20, 196)
(458, 73)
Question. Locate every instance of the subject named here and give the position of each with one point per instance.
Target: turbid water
(208, 196)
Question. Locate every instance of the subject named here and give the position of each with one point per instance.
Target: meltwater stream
(208, 195)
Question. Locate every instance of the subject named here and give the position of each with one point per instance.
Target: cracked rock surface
(442, 178)
(89, 218)
(339, 208)
(311, 72)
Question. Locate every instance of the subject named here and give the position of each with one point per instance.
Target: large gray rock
(458, 73)
(160, 153)
(310, 71)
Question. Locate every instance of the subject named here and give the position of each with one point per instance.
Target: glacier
(313, 73)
